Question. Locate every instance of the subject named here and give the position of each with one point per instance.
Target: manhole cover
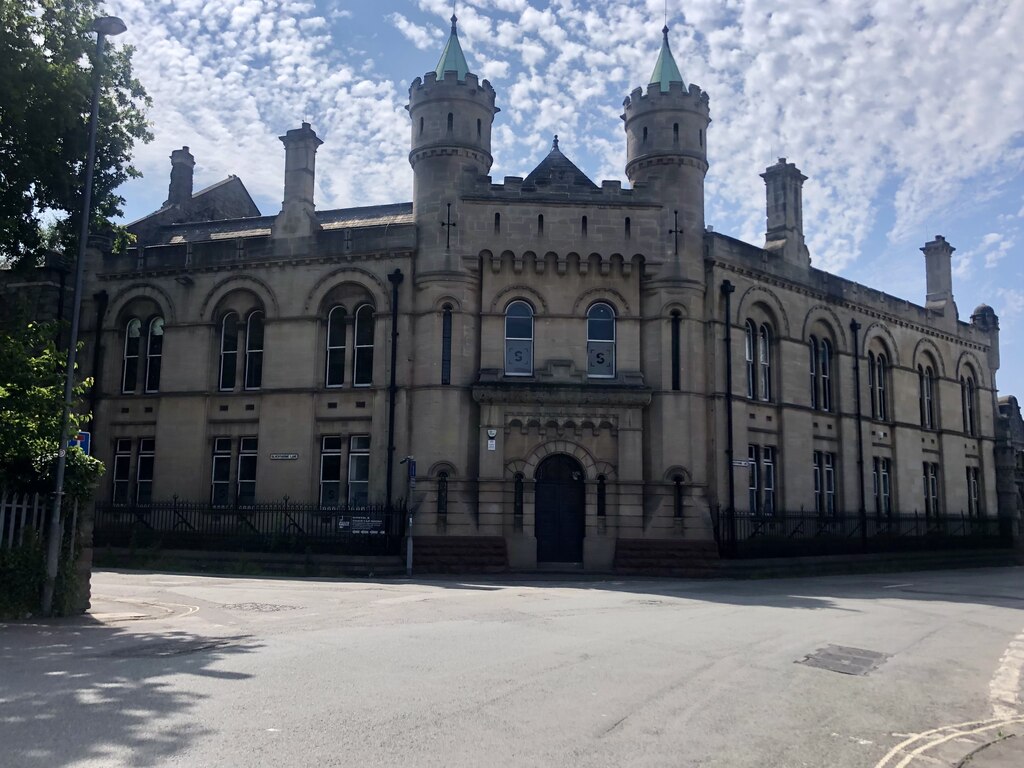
(259, 607)
(846, 660)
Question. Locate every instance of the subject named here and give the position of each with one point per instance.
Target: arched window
(517, 501)
(677, 321)
(926, 395)
(968, 393)
(764, 359)
(254, 350)
(451, 122)
(335, 365)
(442, 497)
(602, 496)
(628, 228)
(228, 350)
(677, 497)
(519, 339)
(130, 368)
(878, 374)
(601, 341)
(446, 344)
(363, 366)
(154, 353)
(749, 347)
(821, 373)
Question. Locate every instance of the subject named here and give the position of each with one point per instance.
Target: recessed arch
(130, 293)
(608, 295)
(770, 304)
(524, 292)
(443, 466)
(969, 360)
(927, 347)
(259, 288)
(886, 339)
(362, 277)
(677, 470)
(570, 447)
(827, 318)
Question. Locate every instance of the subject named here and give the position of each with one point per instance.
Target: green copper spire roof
(666, 71)
(452, 58)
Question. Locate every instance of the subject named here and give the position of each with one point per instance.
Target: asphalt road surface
(875, 671)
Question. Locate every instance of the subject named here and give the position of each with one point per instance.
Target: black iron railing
(284, 526)
(792, 534)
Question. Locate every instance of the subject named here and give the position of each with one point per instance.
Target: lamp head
(108, 26)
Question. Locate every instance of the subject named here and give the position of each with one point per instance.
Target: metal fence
(789, 534)
(20, 514)
(274, 527)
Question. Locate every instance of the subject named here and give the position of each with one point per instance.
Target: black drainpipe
(855, 326)
(395, 278)
(727, 291)
(101, 298)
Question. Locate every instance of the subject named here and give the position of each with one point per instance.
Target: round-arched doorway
(559, 510)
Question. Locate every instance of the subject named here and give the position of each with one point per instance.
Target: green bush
(22, 573)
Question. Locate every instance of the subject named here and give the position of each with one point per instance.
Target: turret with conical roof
(451, 112)
(666, 146)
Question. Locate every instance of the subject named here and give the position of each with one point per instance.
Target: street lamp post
(104, 27)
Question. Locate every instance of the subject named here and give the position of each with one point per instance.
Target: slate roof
(557, 173)
(452, 57)
(666, 71)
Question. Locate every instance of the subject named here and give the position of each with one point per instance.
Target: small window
(130, 369)
(364, 346)
(926, 385)
(825, 483)
(451, 122)
(540, 224)
(931, 489)
(247, 454)
(628, 228)
(479, 129)
(700, 136)
(254, 350)
(335, 366)
(601, 341)
(645, 134)
(519, 339)
(220, 483)
(330, 471)
(122, 470)
(144, 471)
(677, 497)
(750, 345)
(497, 223)
(602, 496)
(421, 126)
(446, 344)
(881, 478)
(967, 398)
(675, 133)
(973, 492)
(359, 470)
(764, 357)
(583, 226)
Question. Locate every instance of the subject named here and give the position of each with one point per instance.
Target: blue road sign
(81, 440)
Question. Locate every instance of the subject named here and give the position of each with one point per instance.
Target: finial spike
(454, 19)
(554, 143)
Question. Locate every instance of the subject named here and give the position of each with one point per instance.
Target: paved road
(204, 671)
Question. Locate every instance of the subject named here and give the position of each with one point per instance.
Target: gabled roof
(452, 58)
(666, 71)
(557, 173)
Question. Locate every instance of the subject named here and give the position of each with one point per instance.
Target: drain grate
(259, 607)
(845, 660)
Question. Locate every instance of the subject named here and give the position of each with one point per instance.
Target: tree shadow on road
(77, 690)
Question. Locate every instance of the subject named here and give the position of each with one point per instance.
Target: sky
(907, 117)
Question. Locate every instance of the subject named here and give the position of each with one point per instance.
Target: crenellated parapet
(564, 263)
(665, 127)
(450, 117)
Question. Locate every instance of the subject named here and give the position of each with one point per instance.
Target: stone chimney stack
(784, 197)
(180, 191)
(297, 217)
(938, 260)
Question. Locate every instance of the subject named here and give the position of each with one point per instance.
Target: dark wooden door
(559, 510)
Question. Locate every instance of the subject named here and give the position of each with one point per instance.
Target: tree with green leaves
(31, 405)
(47, 56)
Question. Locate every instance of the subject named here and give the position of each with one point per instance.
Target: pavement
(900, 671)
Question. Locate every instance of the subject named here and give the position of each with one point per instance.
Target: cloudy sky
(907, 117)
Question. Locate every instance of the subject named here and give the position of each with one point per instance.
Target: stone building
(579, 369)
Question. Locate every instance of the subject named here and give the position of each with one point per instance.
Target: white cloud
(422, 37)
